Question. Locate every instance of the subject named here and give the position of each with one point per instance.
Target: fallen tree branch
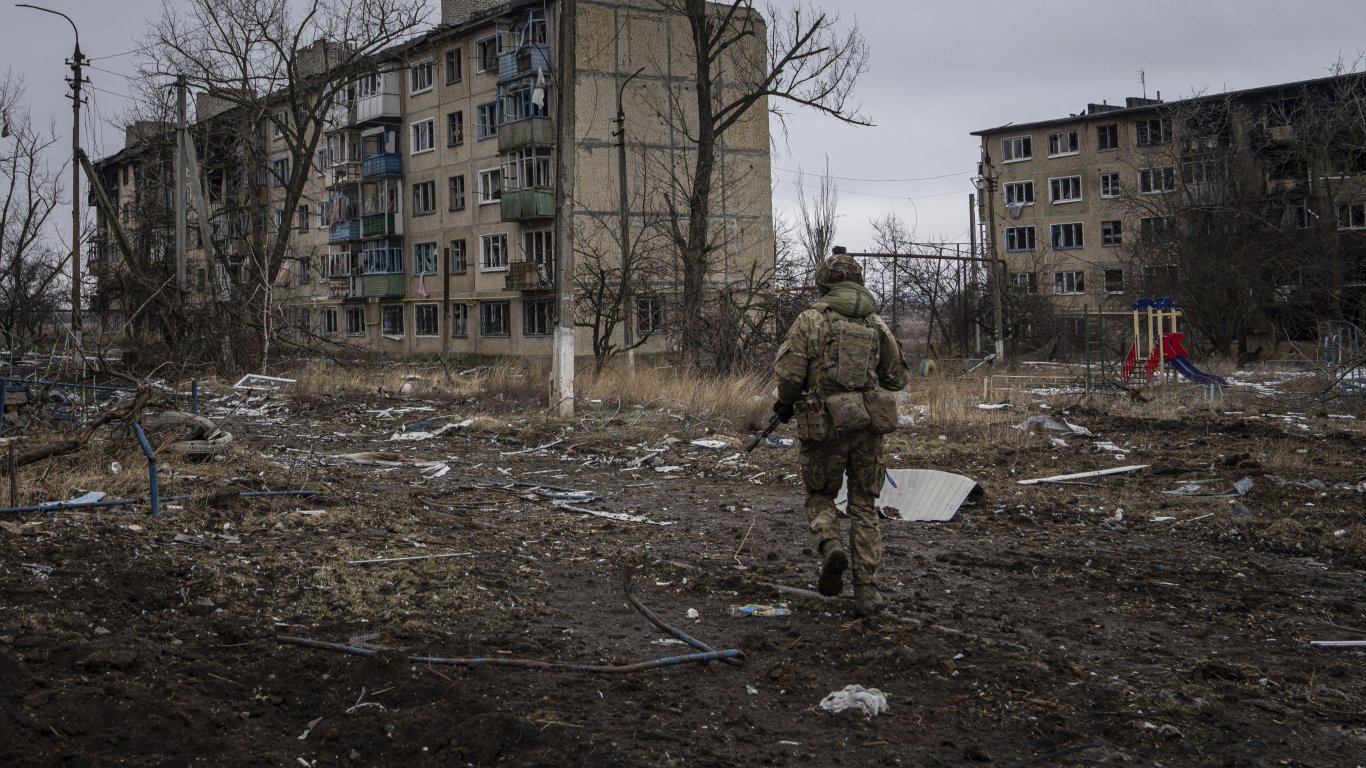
(126, 414)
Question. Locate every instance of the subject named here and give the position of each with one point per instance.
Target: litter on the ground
(406, 559)
(992, 406)
(868, 702)
(1082, 475)
(1338, 643)
(924, 495)
(781, 442)
(763, 611)
(619, 516)
(260, 382)
(1053, 424)
(88, 498)
(711, 444)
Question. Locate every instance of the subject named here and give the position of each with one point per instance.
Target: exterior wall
(615, 40)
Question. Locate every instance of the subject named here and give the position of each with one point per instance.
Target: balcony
(381, 225)
(527, 132)
(389, 164)
(523, 62)
(343, 175)
(527, 204)
(344, 231)
(380, 101)
(529, 276)
(379, 286)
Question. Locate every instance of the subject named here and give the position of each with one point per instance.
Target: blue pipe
(194, 396)
(60, 505)
(151, 469)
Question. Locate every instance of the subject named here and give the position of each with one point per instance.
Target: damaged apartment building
(427, 223)
(1246, 207)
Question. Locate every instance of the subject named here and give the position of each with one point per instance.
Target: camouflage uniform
(825, 462)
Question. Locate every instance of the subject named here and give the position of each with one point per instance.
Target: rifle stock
(768, 430)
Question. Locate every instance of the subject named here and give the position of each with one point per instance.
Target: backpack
(850, 356)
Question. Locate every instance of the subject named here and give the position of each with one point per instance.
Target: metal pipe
(564, 666)
(194, 396)
(153, 492)
(71, 385)
(55, 506)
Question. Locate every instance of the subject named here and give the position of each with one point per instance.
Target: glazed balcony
(388, 164)
(344, 231)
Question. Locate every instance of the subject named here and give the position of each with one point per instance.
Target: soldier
(837, 370)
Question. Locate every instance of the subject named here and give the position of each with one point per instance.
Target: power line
(796, 183)
(887, 181)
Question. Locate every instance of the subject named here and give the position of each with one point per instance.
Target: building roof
(1137, 106)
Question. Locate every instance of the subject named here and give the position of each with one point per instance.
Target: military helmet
(838, 268)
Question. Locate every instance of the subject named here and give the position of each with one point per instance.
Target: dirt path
(1036, 624)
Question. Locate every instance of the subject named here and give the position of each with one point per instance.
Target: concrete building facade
(427, 225)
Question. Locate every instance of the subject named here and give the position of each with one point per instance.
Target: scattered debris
(1053, 424)
(255, 382)
(869, 702)
(406, 559)
(88, 498)
(923, 495)
(764, 611)
(1081, 475)
(619, 516)
(1337, 643)
(711, 444)
(781, 442)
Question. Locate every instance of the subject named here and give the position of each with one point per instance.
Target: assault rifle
(768, 430)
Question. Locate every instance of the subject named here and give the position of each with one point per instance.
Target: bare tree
(606, 286)
(817, 217)
(279, 66)
(807, 61)
(29, 191)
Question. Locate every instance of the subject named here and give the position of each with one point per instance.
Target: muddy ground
(1041, 626)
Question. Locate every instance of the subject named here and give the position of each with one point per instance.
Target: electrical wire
(877, 181)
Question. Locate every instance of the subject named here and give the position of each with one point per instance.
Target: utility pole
(624, 303)
(562, 356)
(972, 250)
(180, 224)
(993, 275)
(77, 60)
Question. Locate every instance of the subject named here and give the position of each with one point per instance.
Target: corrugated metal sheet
(925, 495)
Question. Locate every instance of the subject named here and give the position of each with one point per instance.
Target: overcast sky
(939, 70)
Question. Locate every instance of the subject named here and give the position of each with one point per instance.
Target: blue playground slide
(1186, 368)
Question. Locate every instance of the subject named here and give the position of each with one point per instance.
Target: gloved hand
(784, 411)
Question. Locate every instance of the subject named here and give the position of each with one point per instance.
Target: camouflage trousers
(824, 465)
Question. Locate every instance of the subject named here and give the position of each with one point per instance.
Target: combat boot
(867, 600)
(833, 565)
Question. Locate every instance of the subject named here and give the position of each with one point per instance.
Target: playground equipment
(1342, 360)
(1159, 335)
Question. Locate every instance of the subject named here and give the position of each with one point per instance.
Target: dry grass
(742, 400)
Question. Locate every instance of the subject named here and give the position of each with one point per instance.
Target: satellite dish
(1014, 209)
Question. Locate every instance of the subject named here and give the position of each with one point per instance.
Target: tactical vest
(850, 355)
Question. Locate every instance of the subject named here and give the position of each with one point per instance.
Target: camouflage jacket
(799, 359)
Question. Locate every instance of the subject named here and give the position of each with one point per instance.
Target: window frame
(1354, 214)
(1111, 233)
(325, 328)
(490, 194)
(1025, 144)
(1107, 137)
(486, 311)
(456, 118)
(1165, 174)
(1111, 184)
(652, 307)
(455, 192)
(545, 308)
(355, 313)
(387, 314)
(1057, 185)
(1012, 239)
(415, 131)
(1028, 281)
(1075, 277)
(486, 241)
(460, 320)
(414, 88)
(1054, 140)
(1026, 186)
(455, 66)
(1143, 136)
(431, 308)
(487, 116)
(1109, 289)
(1076, 227)
(457, 256)
(424, 259)
(424, 197)
(487, 60)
